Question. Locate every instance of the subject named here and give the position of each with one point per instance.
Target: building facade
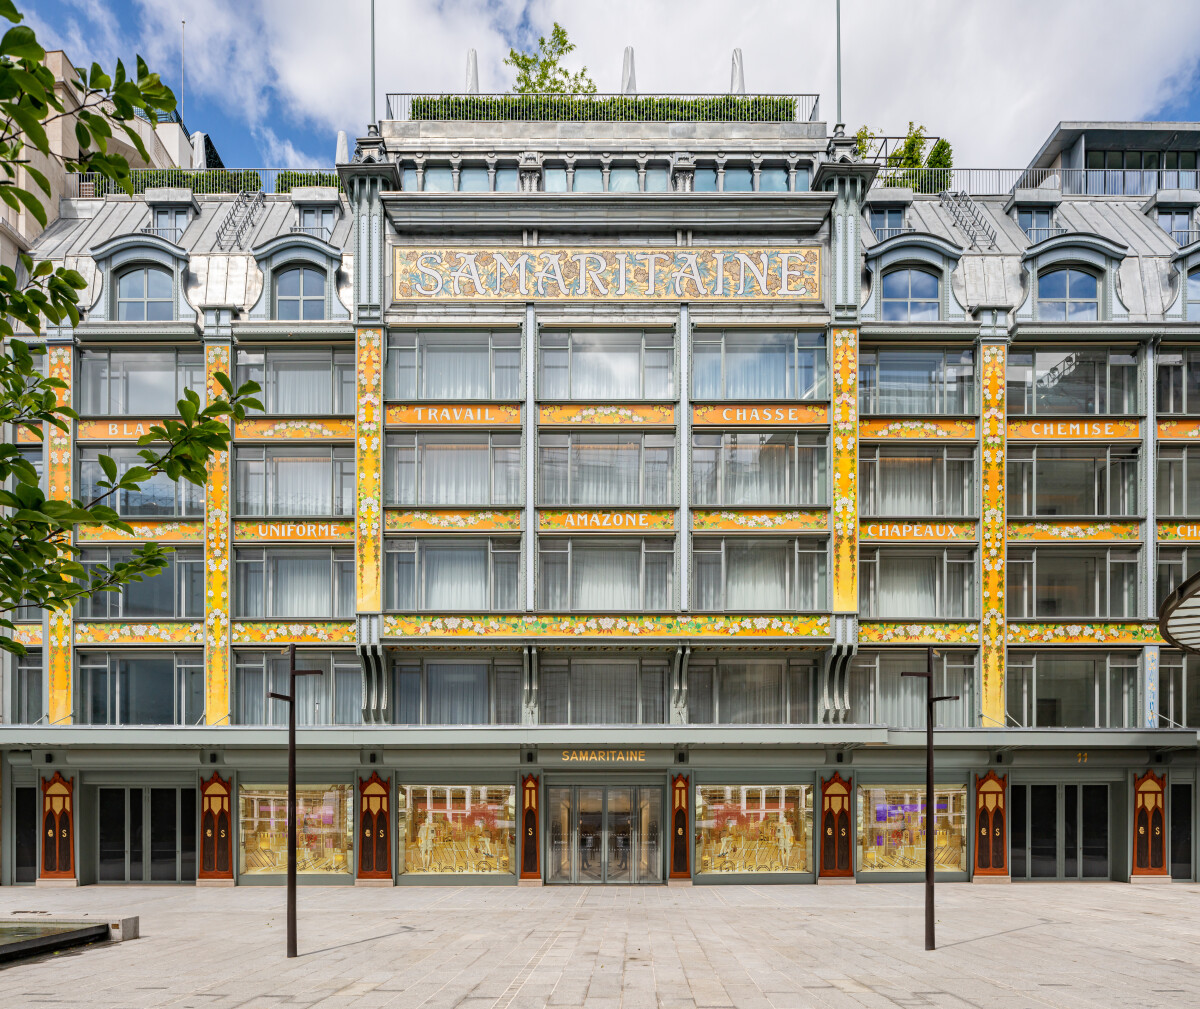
(612, 472)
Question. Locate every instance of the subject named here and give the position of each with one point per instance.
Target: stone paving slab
(1024, 946)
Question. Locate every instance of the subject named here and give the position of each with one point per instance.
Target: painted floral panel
(148, 531)
(760, 521)
(615, 521)
(886, 530)
(442, 520)
(217, 565)
(572, 416)
(319, 632)
(1178, 430)
(845, 470)
(880, 633)
(724, 414)
(341, 530)
(133, 633)
(125, 429)
(994, 360)
(669, 626)
(454, 414)
(1073, 530)
(1127, 633)
(940, 429)
(1071, 430)
(294, 427)
(368, 461)
(59, 468)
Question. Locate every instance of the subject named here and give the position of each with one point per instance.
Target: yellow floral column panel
(995, 362)
(216, 560)
(368, 462)
(845, 470)
(59, 467)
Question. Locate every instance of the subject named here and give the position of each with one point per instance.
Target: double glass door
(146, 835)
(1059, 832)
(605, 834)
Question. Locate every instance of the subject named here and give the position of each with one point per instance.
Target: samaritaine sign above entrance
(588, 274)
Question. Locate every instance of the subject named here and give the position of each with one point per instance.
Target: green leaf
(9, 10)
(21, 43)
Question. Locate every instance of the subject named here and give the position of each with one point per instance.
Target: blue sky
(272, 81)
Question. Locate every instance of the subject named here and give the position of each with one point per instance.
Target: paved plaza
(750, 947)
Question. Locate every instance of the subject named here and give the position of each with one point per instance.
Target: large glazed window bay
(892, 823)
(753, 828)
(324, 829)
(466, 829)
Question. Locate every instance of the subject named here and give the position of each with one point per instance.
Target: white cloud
(993, 77)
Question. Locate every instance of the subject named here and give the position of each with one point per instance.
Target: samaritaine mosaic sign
(575, 274)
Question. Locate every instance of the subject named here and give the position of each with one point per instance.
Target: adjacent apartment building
(618, 458)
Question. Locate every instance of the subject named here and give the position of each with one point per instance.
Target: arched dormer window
(1068, 295)
(299, 294)
(1193, 294)
(910, 295)
(145, 294)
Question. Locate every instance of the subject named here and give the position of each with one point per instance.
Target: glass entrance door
(146, 835)
(604, 834)
(1059, 832)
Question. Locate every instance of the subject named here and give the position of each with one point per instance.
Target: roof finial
(628, 76)
(472, 73)
(737, 76)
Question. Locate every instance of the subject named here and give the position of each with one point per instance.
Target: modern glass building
(618, 458)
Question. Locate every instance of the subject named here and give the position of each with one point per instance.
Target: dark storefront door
(1059, 832)
(146, 835)
(604, 834)
(1180, 812)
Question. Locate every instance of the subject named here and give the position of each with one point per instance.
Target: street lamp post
(930, 826)
(290, 697)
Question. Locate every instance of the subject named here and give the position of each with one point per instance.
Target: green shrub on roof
(615, 108)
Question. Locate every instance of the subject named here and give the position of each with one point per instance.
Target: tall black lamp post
(930, 825)
(290, 697)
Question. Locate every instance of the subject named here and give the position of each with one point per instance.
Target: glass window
(451, 575)
(137, 383)
(602, 366)
(474, 180)
(460, 829)
(175, 593)
(738, 180)
(892, 823)
(1072, 689)
(453, 365)
(759, 468)
(898, 583)
(29, 705)
(910, 296)
(916, 381)
(158, 497)
(657, 180)
(753, 828)
(468, 468)
(290, 582)
(902, 481)
(1179, 374)
(880, 693)
(300, 294)
(606, 469)
(773, 180)
(318, 221)
(1086, 380)
(332, 698)
(623, 180)
(1178, 690)
(886, 222)
(554, 180)
(1175, 566)
(1072, 582)
(704, 180)
(324, 829)
(298, 481)
(758, 364)
(1072, 480)
(438, 180)
(1035, 222)
(610, 690)
(506, 180)
(738, 575)
(316, 381)
(602, 576)
(145, 294)
(756, 692)
(1177, 224)
(457, 690)
(1067, 296)
(143, 688)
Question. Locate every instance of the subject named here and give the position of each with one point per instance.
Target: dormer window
(886, 222)
(145, 294)
(1037, 224)
(1068, 296)
(170, 223)
(300, 294)
(910, 296)
(1177, 224)
(317, 221)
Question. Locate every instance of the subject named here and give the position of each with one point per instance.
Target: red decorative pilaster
(1150, 825)
(991, 825)
(531, 863)
(216, 828)
(681, 862)
(58, 828)
(837, 833)
(374, 828)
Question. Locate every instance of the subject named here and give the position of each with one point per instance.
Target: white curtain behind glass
(301, 485)
(604, 693)
(757, 470)
(909, 381)
(907, 585)
(905, 487)
(750, 693)
(457, 693)
(757, 369)
(455, 371)
(456, 576)
(455, 472)
(605, 578)
(756, 575)
(299, 383)
(605, 470)
(301, 585)
(604, 370)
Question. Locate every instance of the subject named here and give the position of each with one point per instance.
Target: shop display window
(753, 828)
(891, 828)
(324, 839)
(457, 828)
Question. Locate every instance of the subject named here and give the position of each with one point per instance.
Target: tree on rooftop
(39, 562)
(906, 158)
(542, 73)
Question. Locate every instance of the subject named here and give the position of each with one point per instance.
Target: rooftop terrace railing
(606, 108)
(1069, 181)
(210, 181)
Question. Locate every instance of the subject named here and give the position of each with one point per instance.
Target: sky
(273, 81)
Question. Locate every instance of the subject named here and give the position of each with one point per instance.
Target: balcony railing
(606, 108)
(204, 181)
(883, 234)
(1036, 235)
(1184, 237)
(316, 231)
(169, 234)
(1069, 181)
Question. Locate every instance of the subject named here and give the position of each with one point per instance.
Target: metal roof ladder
(968, 215)
(240, 219)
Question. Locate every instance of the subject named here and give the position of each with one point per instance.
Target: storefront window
(753, 828)
(324, 831)
(457, 828)
(891, 828)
